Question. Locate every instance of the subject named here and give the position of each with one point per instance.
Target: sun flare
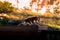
(42, 8)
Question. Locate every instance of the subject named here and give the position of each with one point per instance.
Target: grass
(53, 25)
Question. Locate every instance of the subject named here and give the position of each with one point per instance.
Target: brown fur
(32, 19)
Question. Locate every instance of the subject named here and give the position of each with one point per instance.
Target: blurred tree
(57, 11)
(6, 7)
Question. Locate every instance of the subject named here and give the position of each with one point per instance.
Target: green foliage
(53, 29)
(7, 21)
(3, 21)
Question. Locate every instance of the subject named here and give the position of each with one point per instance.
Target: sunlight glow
(35, 8)
(24, 3)
(43, 10)
(21, 3)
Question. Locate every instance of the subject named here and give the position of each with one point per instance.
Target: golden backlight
(34, 8)
(21, 3)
